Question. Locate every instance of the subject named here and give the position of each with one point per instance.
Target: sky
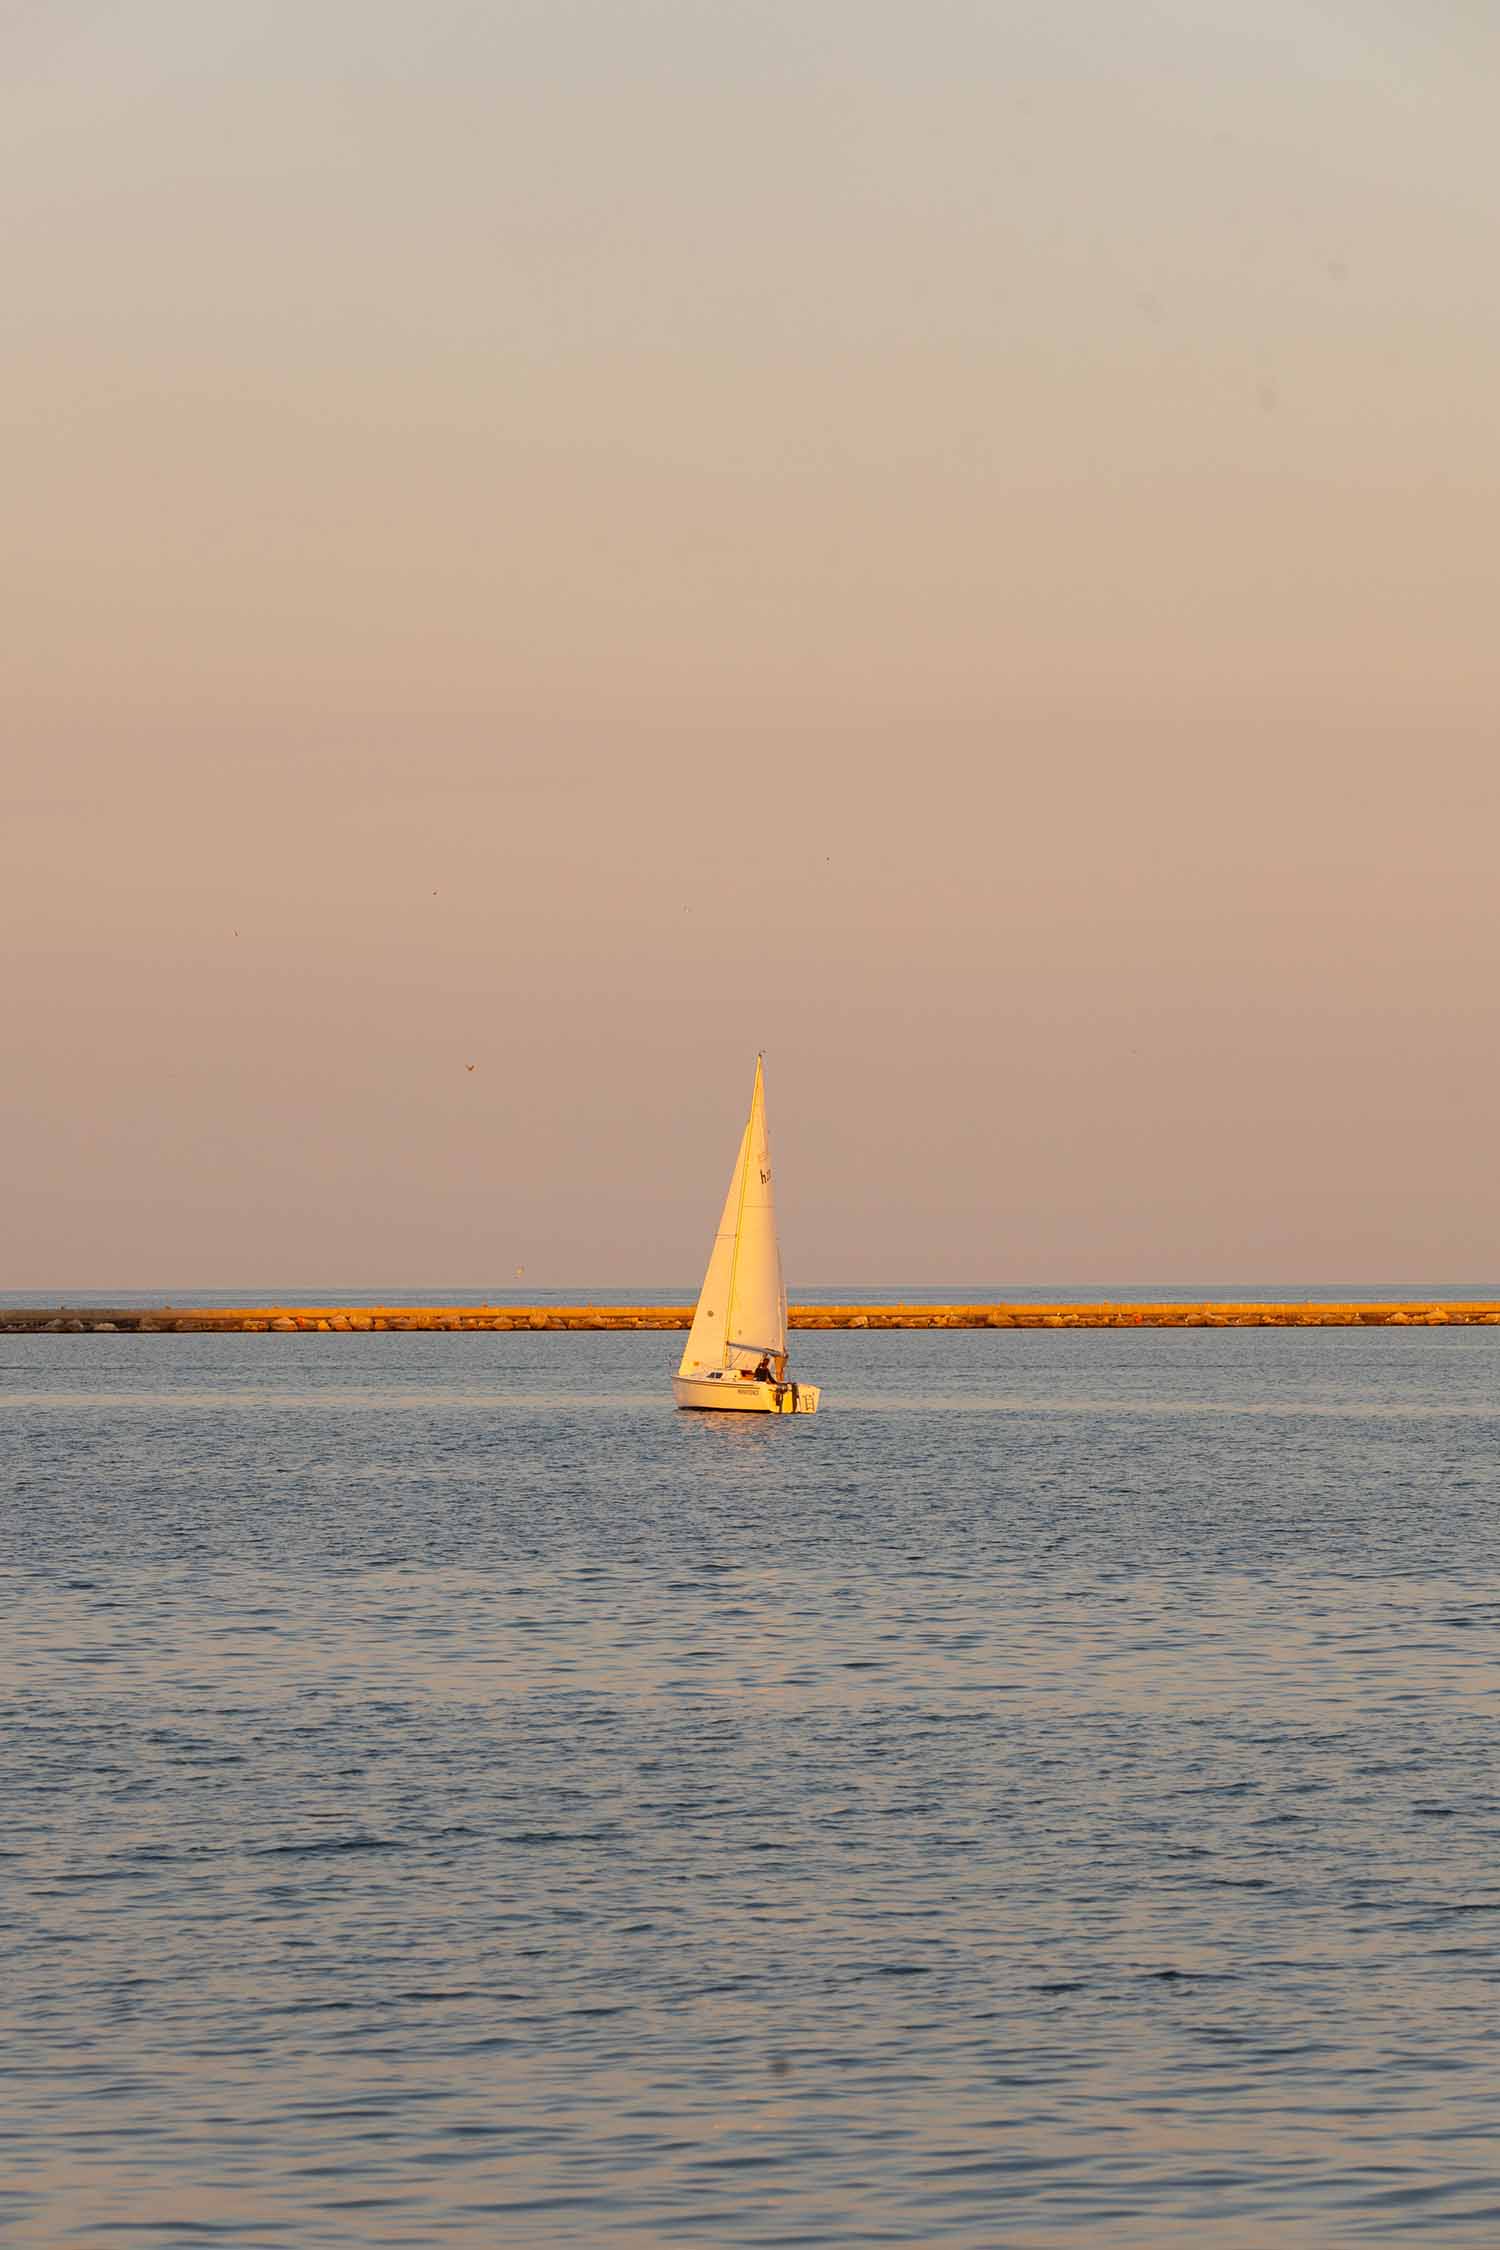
(583, 538)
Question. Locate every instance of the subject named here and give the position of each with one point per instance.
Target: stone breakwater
(322, 1320)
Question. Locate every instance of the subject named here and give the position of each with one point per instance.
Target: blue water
(1049, 1797)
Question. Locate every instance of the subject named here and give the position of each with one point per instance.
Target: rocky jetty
(323, 1320)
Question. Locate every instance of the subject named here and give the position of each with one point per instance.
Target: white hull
(731, 1394)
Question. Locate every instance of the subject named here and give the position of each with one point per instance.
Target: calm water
(1050, 1797)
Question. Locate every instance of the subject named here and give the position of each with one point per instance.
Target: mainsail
(741, 1313)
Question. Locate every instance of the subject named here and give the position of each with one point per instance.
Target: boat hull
(725, 1394)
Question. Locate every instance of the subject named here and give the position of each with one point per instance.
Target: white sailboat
(735, 1356)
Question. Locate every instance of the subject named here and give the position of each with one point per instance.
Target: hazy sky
(955, 542)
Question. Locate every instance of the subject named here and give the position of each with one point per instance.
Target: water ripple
(1047, 1798)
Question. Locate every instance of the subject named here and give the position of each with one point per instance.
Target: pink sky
(584, 541)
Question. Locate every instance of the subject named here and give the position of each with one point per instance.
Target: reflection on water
(450, 1797)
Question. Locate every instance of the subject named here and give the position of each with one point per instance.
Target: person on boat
(763, 1373)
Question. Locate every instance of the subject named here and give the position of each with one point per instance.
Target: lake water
(1049, 1797)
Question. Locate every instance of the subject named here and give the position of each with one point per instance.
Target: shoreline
(253, 1320)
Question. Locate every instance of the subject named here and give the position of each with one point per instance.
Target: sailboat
(735, 1356)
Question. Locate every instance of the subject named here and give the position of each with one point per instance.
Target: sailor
(763, 1372)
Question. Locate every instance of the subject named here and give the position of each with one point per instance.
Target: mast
(739, 1215)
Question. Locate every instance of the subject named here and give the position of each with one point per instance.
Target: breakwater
(292, 1320)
